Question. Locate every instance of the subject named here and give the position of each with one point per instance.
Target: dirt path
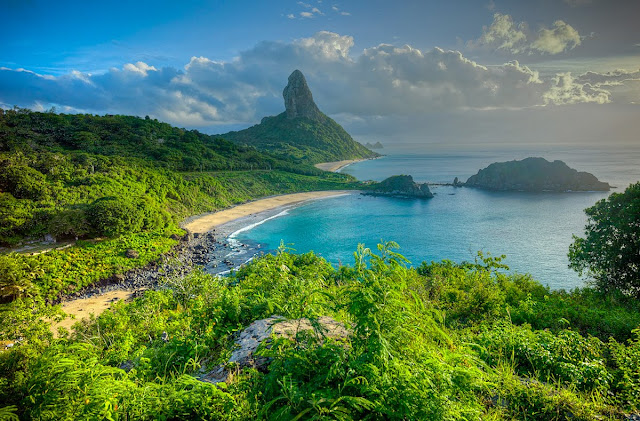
(82, 308)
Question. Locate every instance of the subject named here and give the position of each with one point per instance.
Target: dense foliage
(302, 140)
(444, 341)
(120, 183)
(610, 251)
(127, 136)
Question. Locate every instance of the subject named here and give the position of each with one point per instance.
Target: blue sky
(373, 65)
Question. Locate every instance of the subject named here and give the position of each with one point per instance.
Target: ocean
(533, 230)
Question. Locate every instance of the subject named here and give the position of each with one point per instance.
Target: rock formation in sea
(376, 145)
(535, 175)
(400, 186)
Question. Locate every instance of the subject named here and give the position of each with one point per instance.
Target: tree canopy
(610, 251)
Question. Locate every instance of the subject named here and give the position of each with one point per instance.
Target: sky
(434, 72)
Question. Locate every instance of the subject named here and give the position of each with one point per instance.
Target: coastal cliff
(535, 175)
(400, 186)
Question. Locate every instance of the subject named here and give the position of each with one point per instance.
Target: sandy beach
(336, 165)
(208, 222)
(81, 308)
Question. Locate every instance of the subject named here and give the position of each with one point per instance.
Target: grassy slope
(443, 341)
(302, 139)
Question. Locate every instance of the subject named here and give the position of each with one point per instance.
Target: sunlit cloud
(504, 34)
(382, 80)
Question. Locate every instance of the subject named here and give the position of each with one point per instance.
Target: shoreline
(336, 166)
(204, 223)
(210, 247)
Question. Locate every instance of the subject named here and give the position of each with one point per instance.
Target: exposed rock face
(535, 175)
(401, 186)
(302, 131)
(298, 100)
(260, 331)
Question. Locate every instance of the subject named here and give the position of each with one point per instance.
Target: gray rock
(260, 331)
(132, 254)
(298, 100)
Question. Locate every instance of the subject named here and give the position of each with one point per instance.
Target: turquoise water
(534, 230)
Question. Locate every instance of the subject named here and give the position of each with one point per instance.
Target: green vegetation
(400, 186)
(302, 140)
(443, 341)
(609, 251)
(124, 184)
(535, 174)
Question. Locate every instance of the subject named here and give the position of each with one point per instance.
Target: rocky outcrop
(260, 332)
(302, 132)
(298, 100)
(535, 175)
(400, 186)
(376, 145)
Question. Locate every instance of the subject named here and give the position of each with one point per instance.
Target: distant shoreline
(336, 166)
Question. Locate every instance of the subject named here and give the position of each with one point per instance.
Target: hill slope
(58, 172)
(302, 133)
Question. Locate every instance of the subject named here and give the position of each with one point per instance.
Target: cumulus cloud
(560, 38)
(504, 34)
(384, 80)
(565, 90)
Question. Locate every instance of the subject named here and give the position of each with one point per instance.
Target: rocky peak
(298, 100)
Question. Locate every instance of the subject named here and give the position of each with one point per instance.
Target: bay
(534, 230)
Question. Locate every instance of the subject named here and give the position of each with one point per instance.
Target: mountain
(302, 132)
(535, 174)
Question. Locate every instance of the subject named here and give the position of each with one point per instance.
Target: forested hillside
(85, 176)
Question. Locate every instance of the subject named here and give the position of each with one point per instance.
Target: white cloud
(504, 34)
(327, 45)
(345, 13)
(317, 11)
(565, 91)
(291, 16)
(306, 14)
(560, 38)
(384, 80)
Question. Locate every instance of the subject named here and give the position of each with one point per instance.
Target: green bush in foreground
(416, 349)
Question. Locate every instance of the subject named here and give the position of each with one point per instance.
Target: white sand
(208, 222)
